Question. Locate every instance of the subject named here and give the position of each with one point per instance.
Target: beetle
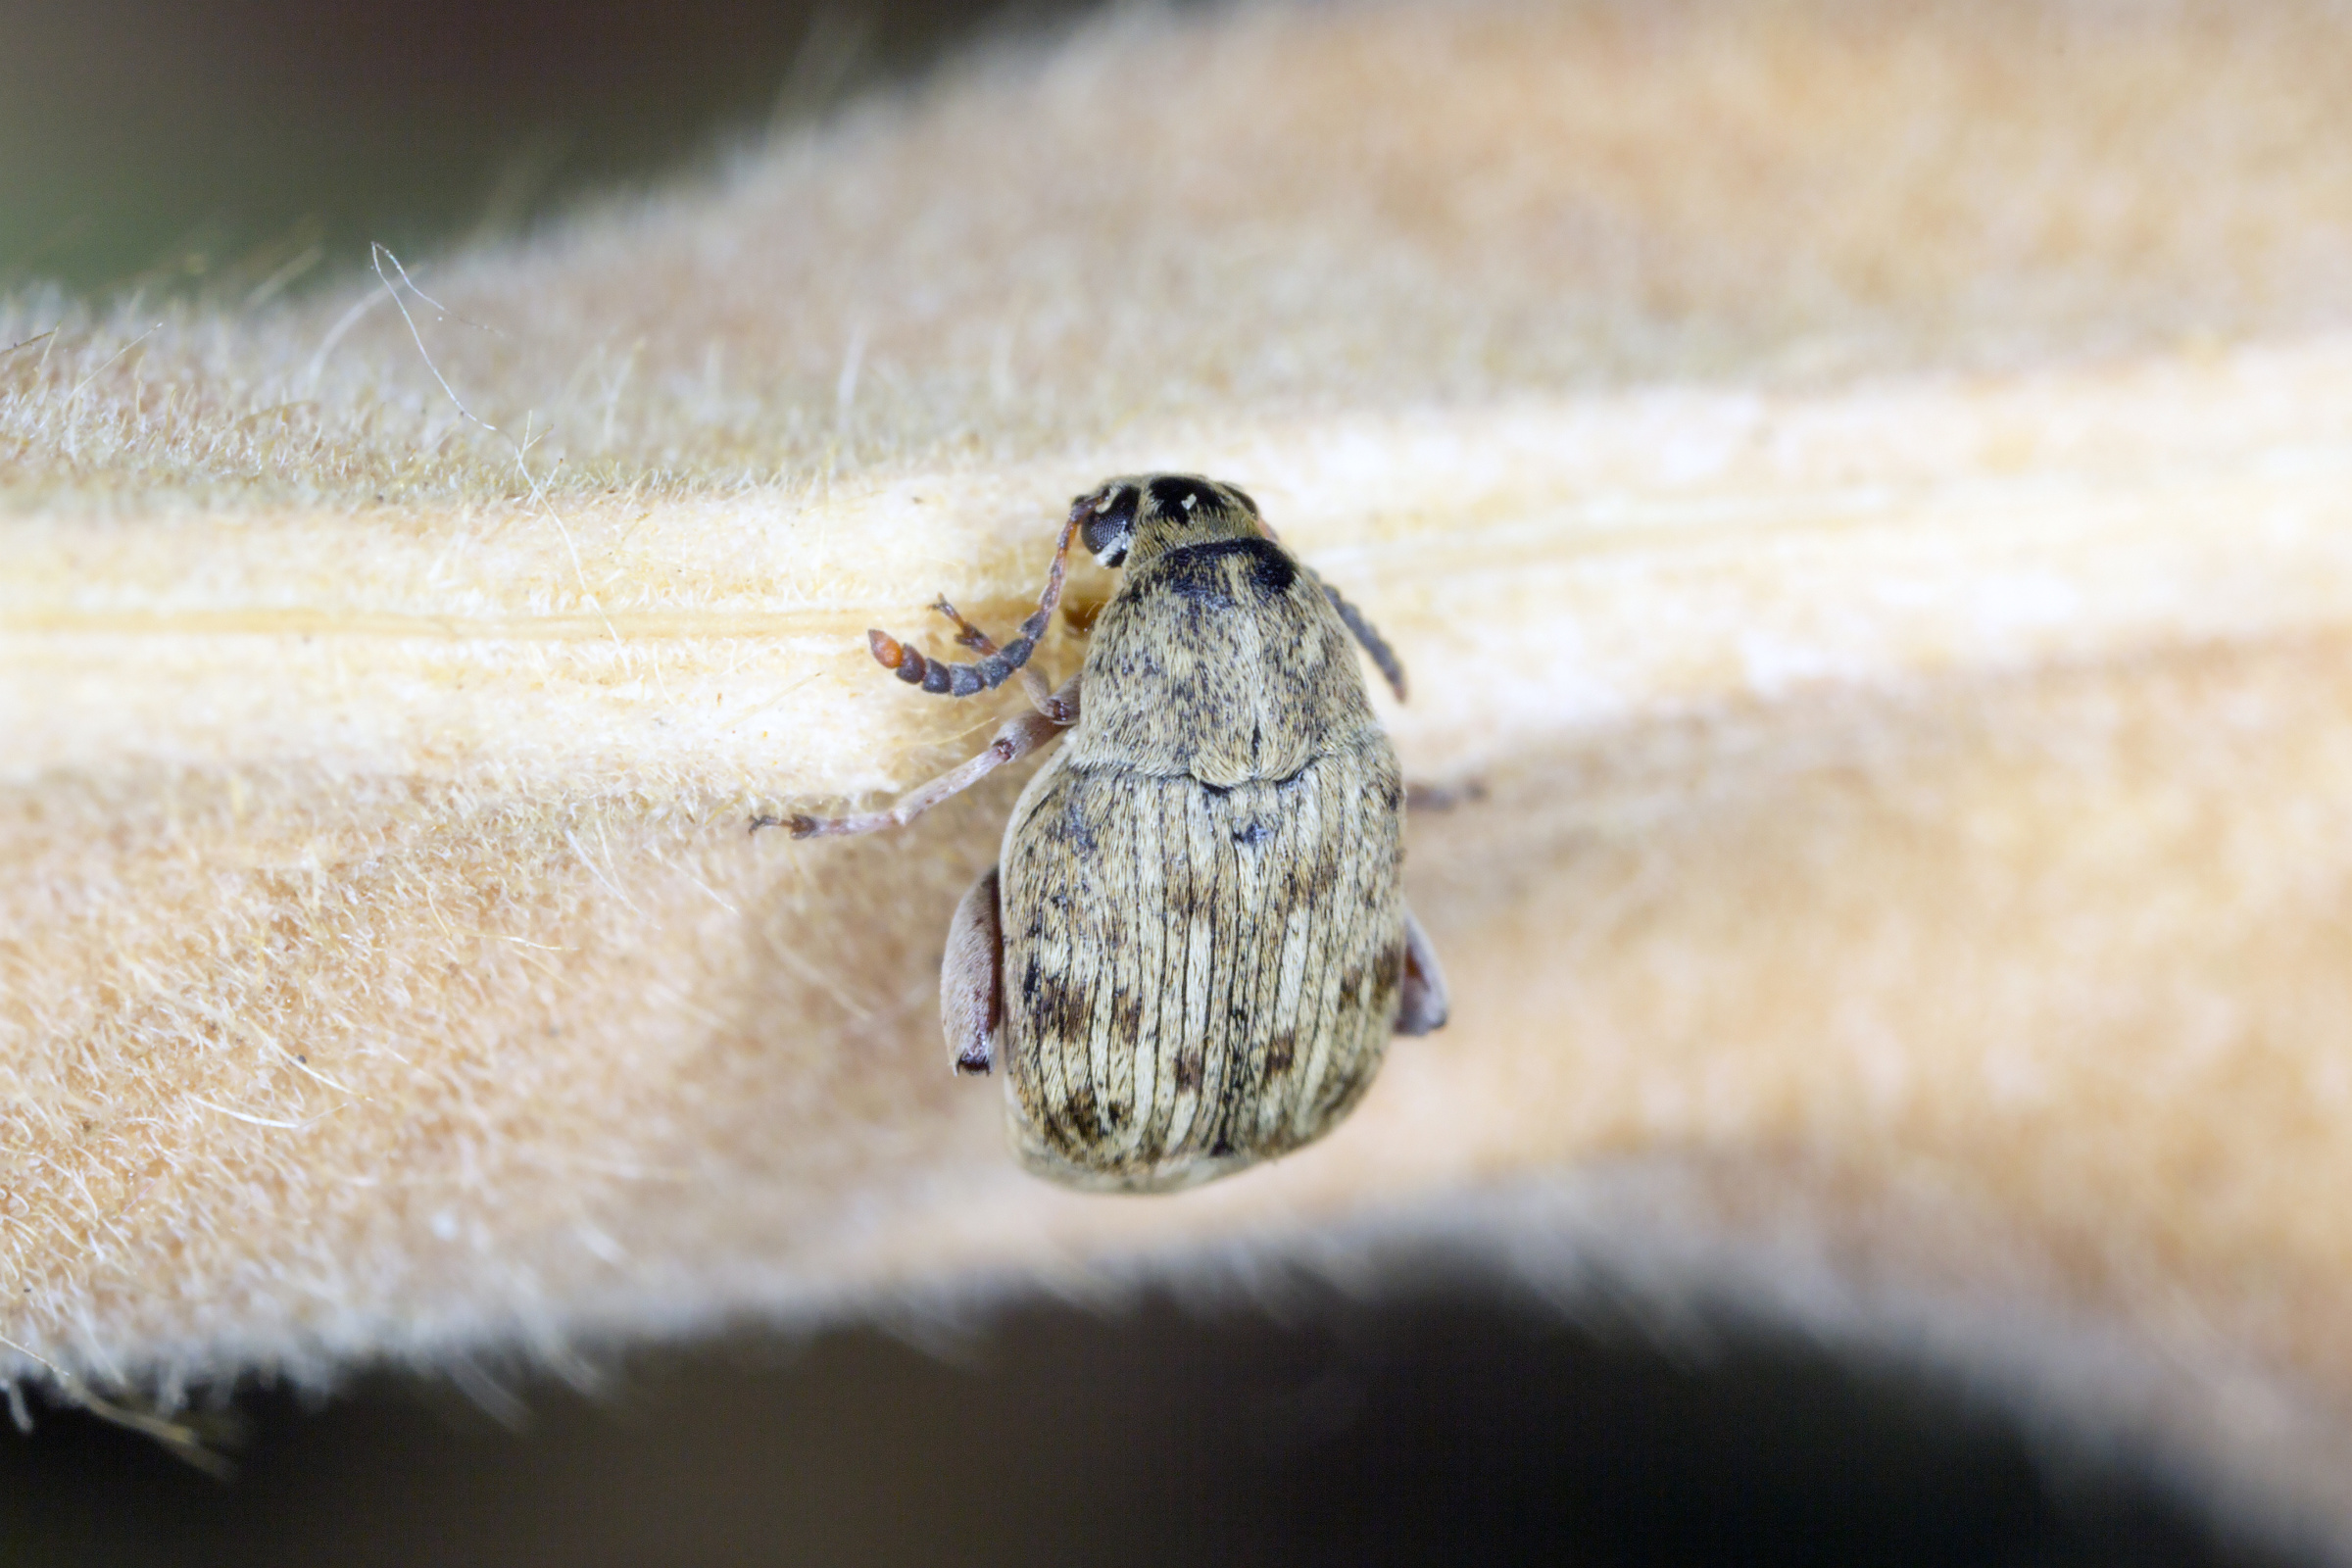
(1194, 945)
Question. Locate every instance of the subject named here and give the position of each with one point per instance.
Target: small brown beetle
(1195, 946)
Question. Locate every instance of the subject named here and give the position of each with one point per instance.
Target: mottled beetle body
(1195, 947)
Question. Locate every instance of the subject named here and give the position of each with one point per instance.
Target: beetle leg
(1015, 740)
(962, 680)
(1421, 992)
(1444, 797)
(972, 979)
(979, 642)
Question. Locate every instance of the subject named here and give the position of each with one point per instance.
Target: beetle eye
(1109, 525)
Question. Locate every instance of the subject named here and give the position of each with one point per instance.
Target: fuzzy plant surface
(1861, 491)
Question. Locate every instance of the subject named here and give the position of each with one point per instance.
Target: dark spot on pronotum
(1202, 590)
(1197, 572)
(1270, 570)
(1253, 834)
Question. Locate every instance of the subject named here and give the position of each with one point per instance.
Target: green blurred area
(237, 148)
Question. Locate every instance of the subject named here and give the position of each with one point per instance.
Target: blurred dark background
(242, 148)
(148, 143)
(1463, 1424)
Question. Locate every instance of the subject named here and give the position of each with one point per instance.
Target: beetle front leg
(972, 979)
(1014, 741)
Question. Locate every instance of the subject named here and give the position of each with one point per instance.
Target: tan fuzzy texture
(1865, 489)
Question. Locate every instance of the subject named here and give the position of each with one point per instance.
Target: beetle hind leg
(1421, 1002)
(972, 979)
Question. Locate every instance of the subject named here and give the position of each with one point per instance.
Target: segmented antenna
(962, 680)
(1382, 654)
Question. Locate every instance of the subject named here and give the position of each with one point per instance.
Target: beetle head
(1150, 513)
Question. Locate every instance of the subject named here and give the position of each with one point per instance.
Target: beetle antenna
(962, 680)
(1364, 632)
